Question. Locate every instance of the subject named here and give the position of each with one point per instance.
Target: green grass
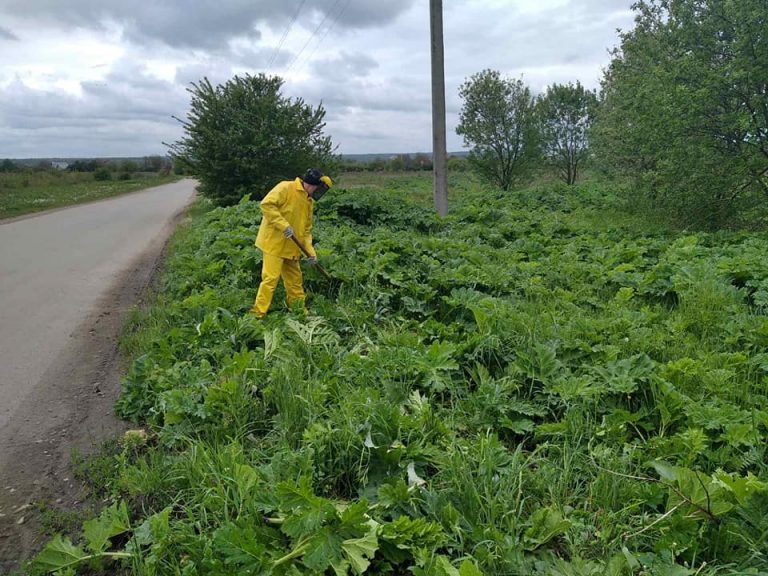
(537, 384)
(29, 191)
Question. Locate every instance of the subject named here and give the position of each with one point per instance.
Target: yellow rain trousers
(287, 204)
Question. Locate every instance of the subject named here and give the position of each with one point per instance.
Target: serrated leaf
(393, 493)
(360, 551)
(305, 511)
(518, 425)
(341, 568)
(58, 554)
(437, 566)
(111, 522)
(741, 487)
(468, 568)
(239, 546)
(305, 521)
(323, 549)
(354, 517)
(297, 495)
(154, 529)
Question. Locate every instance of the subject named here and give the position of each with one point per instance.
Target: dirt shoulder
(71, 408)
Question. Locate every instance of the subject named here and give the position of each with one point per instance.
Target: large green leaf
(58, 554)
(360, 551)
(111, 522)
(240, 546)
(545, 524)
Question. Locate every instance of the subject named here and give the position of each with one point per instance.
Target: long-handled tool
(308, 255)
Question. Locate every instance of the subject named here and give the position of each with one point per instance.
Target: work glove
(312, 260)
(288, 232)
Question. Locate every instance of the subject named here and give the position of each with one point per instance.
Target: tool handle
(300, 245)
(308, 255)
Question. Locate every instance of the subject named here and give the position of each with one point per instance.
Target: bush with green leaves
(565, 113)
(244, 136)
(498, 124)
(685, 111)
(561, 393)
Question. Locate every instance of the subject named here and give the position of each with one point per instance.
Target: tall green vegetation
(565, 113)
(596, 405)
(243, 136)
(497, 122)
(685, 111)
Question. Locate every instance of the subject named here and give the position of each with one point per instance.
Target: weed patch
(510, 390)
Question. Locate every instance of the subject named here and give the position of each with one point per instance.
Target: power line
(335, 21)
(285, 33)
(317, 29)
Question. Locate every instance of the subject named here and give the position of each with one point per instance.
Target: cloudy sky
(88, 78)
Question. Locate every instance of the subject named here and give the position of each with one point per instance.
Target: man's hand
(312, 260)
(288, 232)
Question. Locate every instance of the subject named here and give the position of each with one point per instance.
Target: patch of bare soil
(70, 409)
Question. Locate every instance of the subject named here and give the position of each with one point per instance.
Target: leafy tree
(685, 111)
(8, 166)
(497, 122)
(244, 136)
(565, 114)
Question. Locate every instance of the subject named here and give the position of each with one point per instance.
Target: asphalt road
(56, 266)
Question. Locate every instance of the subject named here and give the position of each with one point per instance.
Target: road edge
(85, 379)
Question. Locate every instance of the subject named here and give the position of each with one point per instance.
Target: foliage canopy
(594, 405)
(685, 111)
(565, 113)
(243, 136)
(497, 122)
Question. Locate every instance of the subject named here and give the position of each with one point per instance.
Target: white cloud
(99, 77)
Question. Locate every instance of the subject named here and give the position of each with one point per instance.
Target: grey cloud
(127, 113)
(363, 13)
(342, 95)
(206, 24)
(580, 33)
(6, 34)
(215, 72)
(346, 65)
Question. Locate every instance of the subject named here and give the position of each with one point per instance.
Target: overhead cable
(317, 29)
(285, 33)
(336, 19)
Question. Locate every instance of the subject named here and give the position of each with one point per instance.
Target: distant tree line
(102, 169)
(400, 163)
(682, 116)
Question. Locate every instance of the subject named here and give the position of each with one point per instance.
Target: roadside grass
(144, 324)
(533, 385)
(33, 191)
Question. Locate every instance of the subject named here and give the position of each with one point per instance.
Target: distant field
(26, 192)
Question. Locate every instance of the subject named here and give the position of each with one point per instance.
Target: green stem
(295, 553)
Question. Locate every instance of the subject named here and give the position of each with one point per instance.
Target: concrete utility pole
(439, 153)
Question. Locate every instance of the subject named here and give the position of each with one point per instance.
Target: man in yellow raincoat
(287, 212)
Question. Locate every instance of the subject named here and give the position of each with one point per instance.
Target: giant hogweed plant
(511, 390)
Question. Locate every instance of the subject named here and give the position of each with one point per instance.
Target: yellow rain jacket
(287, 204)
